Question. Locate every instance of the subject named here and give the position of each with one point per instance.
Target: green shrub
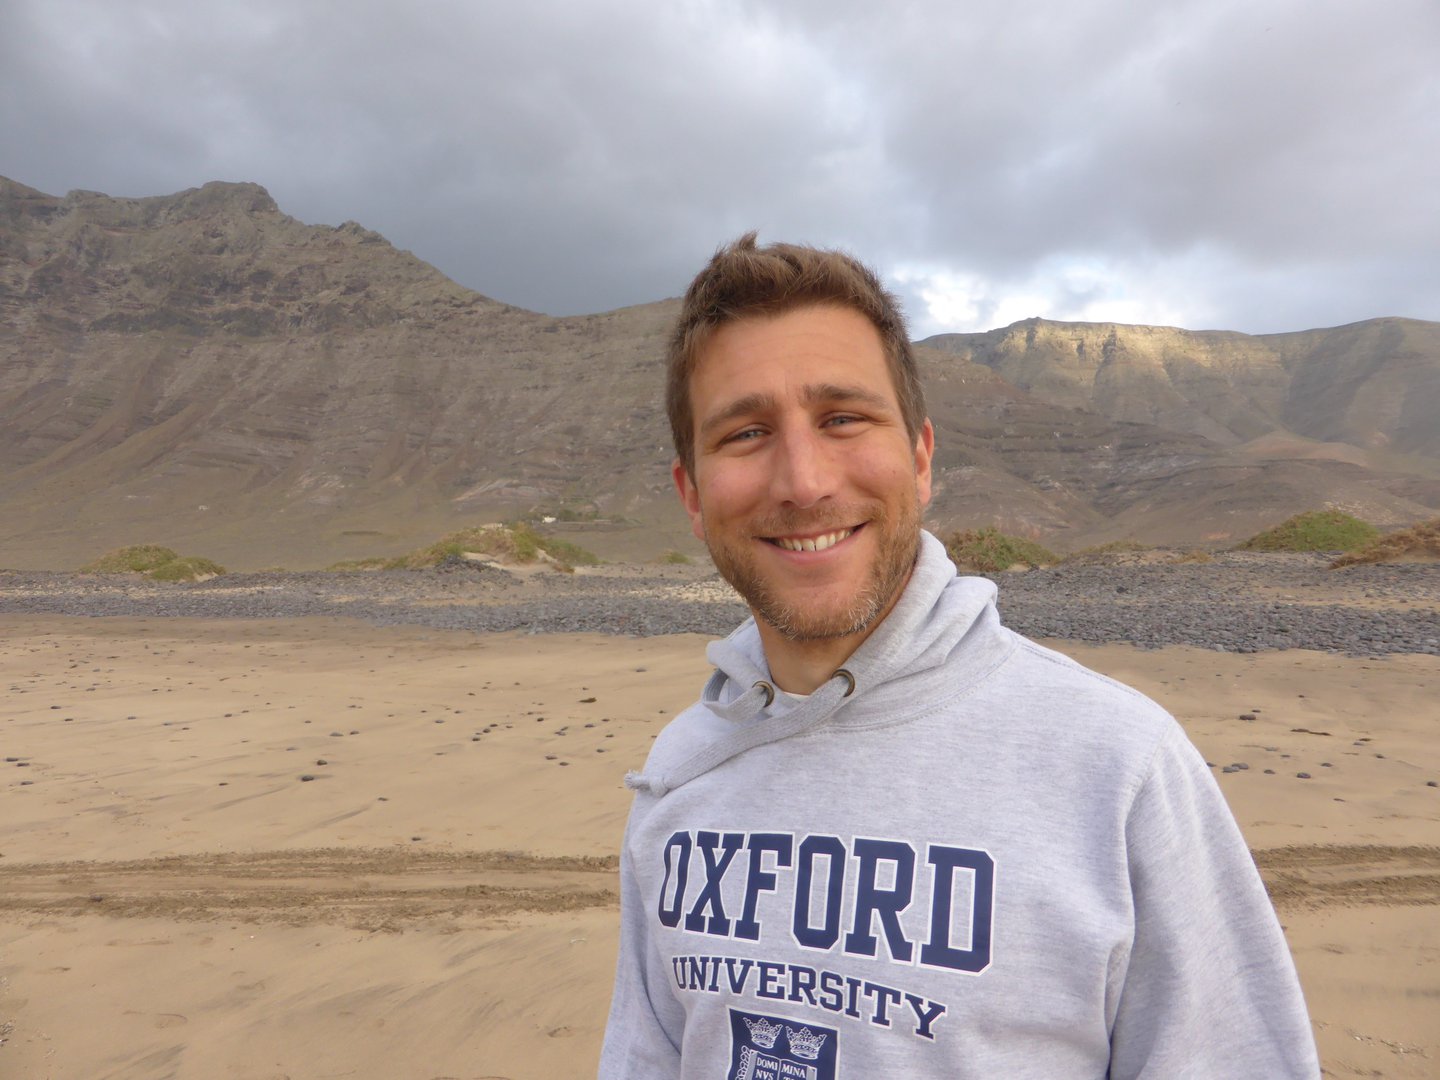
(989, 551)
(1318, 530)
(129, 560)
(1419, 542)
(155, 562)
(377, 563)
(674, 558)
(187, 568)
(1115, 547)
(517, 542)
(1099, 551)
(566, 553)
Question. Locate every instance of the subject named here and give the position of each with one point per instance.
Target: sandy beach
(320, 848)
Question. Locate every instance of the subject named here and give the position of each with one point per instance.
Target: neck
(802, 667)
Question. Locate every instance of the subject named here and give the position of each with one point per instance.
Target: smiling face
(807, 489)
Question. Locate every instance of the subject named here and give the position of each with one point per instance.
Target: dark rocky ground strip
(1241, 603)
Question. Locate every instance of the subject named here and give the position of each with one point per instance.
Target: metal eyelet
(849, 678)
(769, 692)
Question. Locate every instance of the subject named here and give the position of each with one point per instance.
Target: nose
(803, 474)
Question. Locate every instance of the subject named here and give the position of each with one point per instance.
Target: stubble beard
(899, 547)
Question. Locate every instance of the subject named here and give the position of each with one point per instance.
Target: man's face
(807, 489)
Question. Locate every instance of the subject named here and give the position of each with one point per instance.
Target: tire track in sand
(370, 889)
(1321, 875)
(384, 889)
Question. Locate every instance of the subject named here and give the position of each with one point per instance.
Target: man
(895, 840)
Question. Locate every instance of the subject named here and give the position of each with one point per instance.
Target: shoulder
(1049, 672)
(1059, 709)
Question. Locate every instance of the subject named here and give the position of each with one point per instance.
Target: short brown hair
(745, 281)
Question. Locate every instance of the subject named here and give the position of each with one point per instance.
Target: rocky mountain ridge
(1373, 384)
(203, 370)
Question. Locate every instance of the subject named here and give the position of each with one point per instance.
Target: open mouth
(811, 543)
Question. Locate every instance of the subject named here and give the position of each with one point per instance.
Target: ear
(689, 496)
(924, 455)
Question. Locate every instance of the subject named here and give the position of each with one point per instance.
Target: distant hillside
(1374, 384)
(203, 371)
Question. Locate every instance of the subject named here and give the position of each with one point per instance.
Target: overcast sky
(1257, 165)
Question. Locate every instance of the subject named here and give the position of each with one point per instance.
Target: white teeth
(816, 543)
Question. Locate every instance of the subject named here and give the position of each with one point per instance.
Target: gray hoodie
(964, 856)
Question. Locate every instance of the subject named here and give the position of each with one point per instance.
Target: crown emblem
(763, 1032)
(804, 1043)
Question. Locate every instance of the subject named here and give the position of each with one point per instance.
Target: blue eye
(744, 436)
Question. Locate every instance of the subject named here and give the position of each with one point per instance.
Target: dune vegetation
(1419, 543)
(1317, 530)
(516, 543)
(155, 562)
(989, 551)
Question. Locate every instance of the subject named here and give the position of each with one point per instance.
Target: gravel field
(1239, 602)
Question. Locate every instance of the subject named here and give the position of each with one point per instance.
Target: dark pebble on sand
(306, 778)
(1247, 716)
(1303, 775)
(1431, 783)
(321, 761)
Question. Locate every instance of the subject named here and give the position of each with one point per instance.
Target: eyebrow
(814, 394)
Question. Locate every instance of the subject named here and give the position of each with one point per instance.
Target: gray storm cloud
(1259, 166)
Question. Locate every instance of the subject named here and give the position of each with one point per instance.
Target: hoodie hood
(937, 616)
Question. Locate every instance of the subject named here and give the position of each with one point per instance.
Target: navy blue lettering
(871, 900)
(737, 985)
(670, 916)
(850, 1009)
(770, 975)
(696, 970)
(825, 935)
(802, 983)
(926, 1013)
(938, 952)
(831, 997)
(761, 880)
(709, 897)
(884, 998)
